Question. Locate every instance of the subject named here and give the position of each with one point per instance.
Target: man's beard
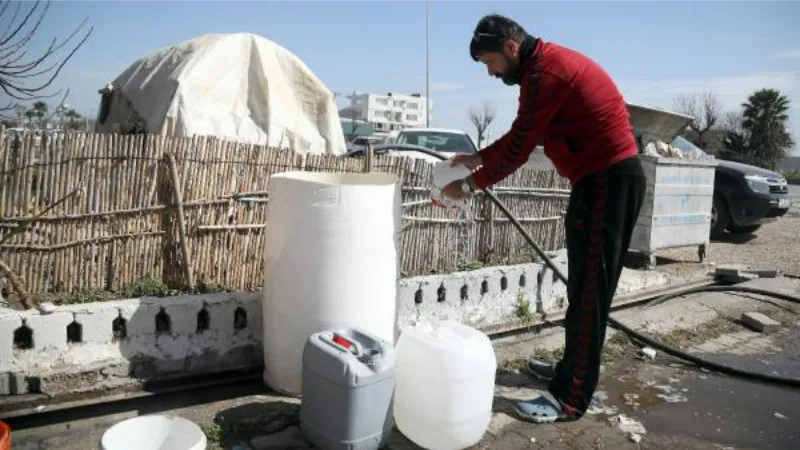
(513, 74)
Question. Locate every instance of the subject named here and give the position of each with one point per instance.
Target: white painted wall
(102, 359)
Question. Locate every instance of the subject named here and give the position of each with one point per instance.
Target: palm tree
(73, 117)
(763, 138)
(40, 111)
(30, 114)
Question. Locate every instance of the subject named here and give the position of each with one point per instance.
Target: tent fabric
(240, 87)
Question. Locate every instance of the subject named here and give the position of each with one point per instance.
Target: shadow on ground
(638, 261)
(243, 423)
(734, 238)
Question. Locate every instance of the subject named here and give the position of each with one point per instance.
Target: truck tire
(719, 218)
(745, 229)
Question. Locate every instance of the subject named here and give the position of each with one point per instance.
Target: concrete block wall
(485, 297)
(114, 342)
(477, 298)
(105, 344)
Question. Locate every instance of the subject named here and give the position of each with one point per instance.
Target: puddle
(630, 395)
(734, 411)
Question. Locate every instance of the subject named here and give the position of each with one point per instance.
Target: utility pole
(427, 66)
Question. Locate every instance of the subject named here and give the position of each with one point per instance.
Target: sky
(655, 51)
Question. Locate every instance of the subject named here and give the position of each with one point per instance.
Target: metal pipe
(427, 66)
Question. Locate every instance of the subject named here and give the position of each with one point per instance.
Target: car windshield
(438, 140)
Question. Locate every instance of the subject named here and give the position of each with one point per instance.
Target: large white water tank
(444, 385)
(332, 260)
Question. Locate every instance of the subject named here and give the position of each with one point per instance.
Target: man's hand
(454, 190)
(471, 162)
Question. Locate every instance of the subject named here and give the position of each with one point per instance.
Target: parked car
(446, 141)
(745, 196)
(361, 141)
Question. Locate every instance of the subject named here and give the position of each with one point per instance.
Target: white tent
(239, 87)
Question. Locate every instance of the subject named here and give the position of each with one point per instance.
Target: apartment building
(389, 112)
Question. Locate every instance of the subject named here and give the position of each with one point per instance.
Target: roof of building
(361, 128)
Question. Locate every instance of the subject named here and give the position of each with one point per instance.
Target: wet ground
(717, 409)
(678, 406)
(662, 403)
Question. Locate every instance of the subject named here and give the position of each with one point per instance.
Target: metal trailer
(680, 192)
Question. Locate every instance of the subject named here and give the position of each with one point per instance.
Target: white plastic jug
(443, 174)
(333, 246)
(444, 385)
(155, 432)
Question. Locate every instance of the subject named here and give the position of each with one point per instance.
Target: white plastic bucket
(333, 244)
(156, 432)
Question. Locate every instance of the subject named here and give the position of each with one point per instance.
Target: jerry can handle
(345, 344)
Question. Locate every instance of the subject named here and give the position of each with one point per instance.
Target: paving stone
(735, 273)
(768, 273)
(730, 269)
(760, 322)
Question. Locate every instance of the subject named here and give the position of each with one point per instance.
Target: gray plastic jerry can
(348, 389)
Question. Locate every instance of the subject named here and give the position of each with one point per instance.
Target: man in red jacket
(572, 105)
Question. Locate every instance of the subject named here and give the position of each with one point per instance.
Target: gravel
(775, 245)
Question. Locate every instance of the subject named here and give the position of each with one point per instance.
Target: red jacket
(569, 102)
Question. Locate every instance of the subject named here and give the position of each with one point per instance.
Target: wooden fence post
(178, 195)
(368, 154)
(487, 228)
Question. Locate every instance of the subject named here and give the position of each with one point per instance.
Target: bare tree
(706, 110)
(17, 67)
(482, 119)
(732, 122)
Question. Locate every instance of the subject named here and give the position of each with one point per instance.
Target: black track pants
(602, 212)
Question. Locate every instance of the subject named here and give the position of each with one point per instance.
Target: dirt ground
(775, 245)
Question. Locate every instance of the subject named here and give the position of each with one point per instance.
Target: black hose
(700, 362)
(749, 290)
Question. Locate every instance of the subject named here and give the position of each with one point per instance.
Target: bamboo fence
(185, 211)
